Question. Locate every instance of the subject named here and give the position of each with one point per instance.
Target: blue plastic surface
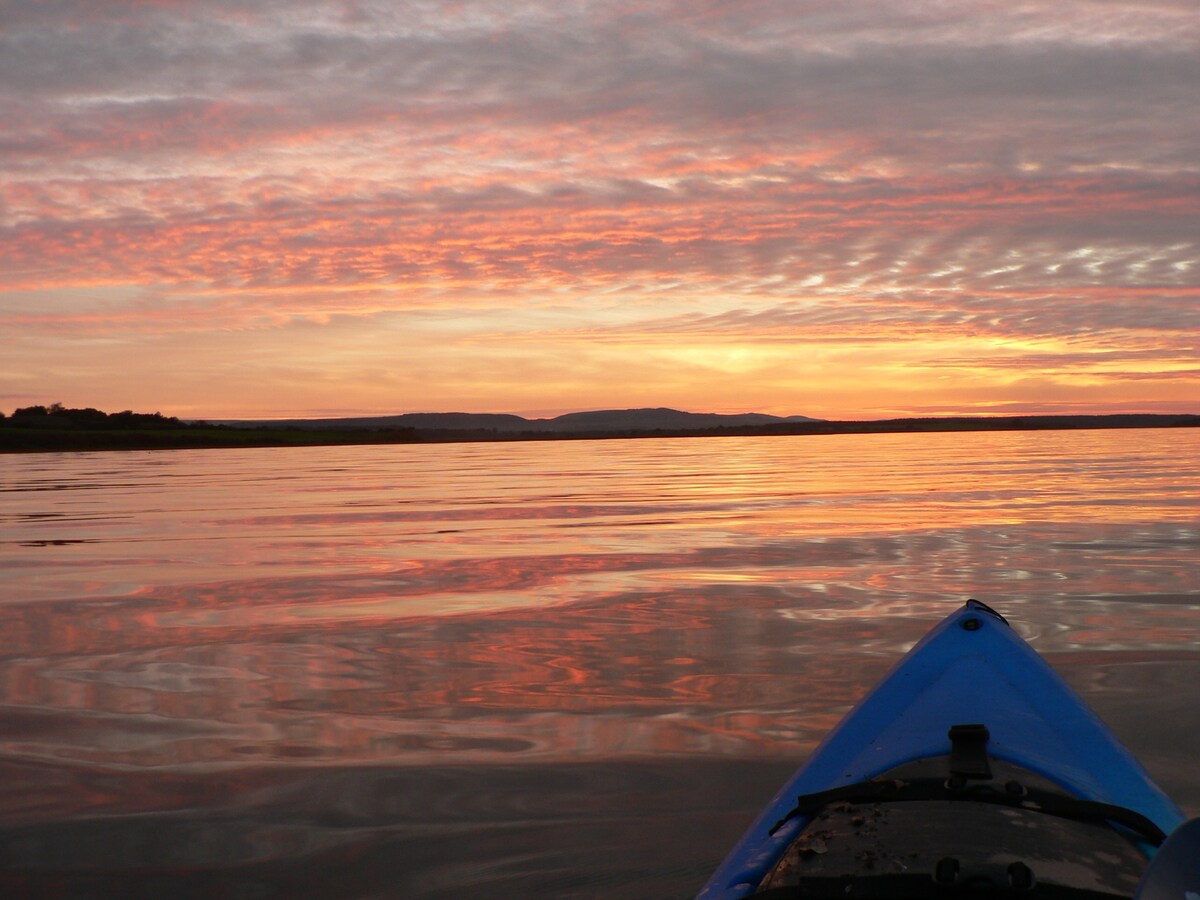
(971, 668)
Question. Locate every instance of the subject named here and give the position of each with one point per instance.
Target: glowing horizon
(851, 211)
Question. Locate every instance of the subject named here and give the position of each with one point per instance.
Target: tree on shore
(56, 415)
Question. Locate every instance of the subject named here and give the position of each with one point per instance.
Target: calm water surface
(566, 669)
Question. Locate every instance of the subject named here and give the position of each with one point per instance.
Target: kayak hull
(971, 668)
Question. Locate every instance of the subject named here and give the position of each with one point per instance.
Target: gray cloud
(1046, 316)
(909, 86)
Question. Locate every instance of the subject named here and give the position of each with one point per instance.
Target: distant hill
(55, 428)
(660, 419)
(608, 421)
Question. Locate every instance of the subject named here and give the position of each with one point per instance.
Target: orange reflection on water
(610, 677)
(595, 600)
(324, 672)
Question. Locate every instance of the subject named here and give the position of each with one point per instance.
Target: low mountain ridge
(659, 418)
(605, 420)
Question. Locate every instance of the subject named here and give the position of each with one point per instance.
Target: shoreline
(24, 439)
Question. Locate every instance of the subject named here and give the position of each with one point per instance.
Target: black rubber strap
(968, 751)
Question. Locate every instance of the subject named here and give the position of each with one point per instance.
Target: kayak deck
(908, 849)
(971, 670)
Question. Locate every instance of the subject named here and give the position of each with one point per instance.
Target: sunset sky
(835, 208)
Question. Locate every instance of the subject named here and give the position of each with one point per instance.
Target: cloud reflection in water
(221, 634)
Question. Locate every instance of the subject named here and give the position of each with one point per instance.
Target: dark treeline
(986, 423)
(54, 428)
(58, 416)
(58, 428)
